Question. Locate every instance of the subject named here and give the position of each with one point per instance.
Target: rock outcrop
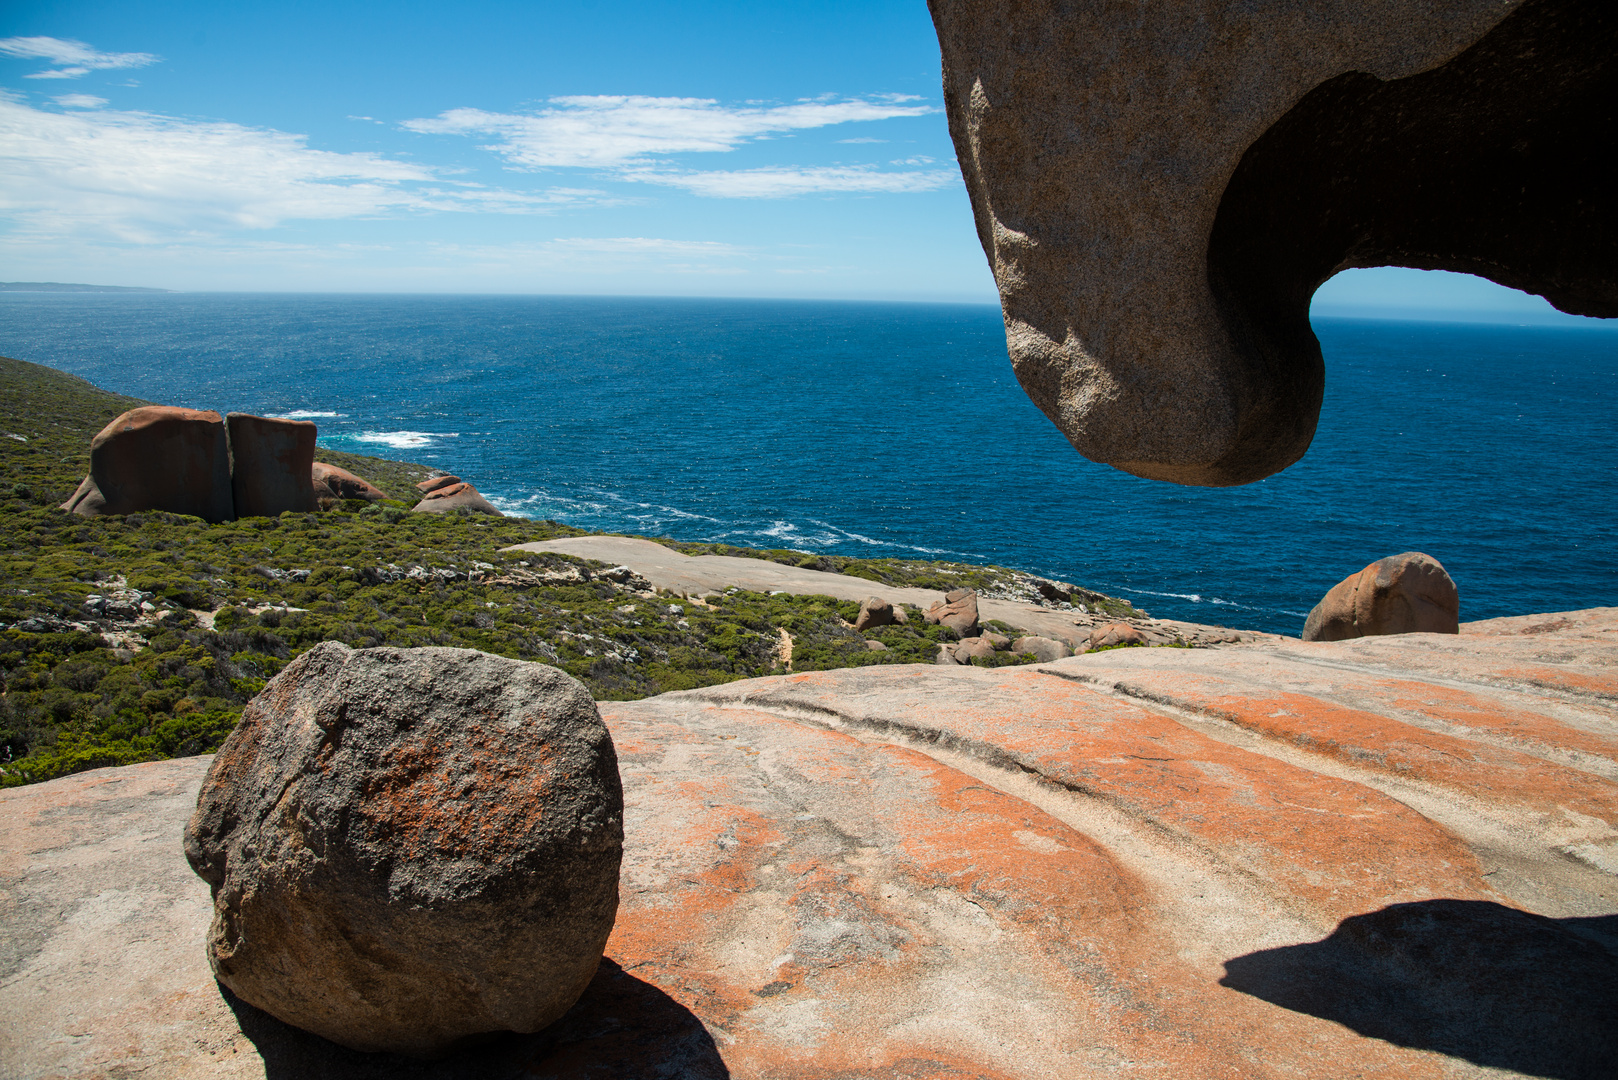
(1042, 648)
(1401, 594)
(330, 482)
(1161, 189)
(1256, 862)
(158, 457)
(456, 496)
(433, 483)
(409, 848)
(958, 611)
(270, 465)
(1118, 633)
(876, 612)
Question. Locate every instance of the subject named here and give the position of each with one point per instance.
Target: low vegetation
(135, 638)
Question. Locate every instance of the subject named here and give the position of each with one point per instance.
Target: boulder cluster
(219, 468)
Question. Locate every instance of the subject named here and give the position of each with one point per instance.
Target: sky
(699, 148)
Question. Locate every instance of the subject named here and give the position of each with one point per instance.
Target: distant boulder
(875, 612)
(409, 848)
(958, 611)
(1401, 594)
(433, 483)
(1118, 633)
(159, 457)
(1044, 649)
(270, 463)
(456, 496)
(341, 484)
(973, 648)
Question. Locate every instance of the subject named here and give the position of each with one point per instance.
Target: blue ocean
(898, 430)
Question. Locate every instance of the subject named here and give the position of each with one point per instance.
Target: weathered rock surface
(1401, 594)
(1255, 862)
(958, 611)
(875, 612)
(270, 465)
(1044, 648)
(158, 457)
(433, 483)
(408, 848)
(1161, 190)
(341, 484)
(1117, 633)
(457, 496)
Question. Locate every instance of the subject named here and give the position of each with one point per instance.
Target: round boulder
(1401, 594)
(875, 612)
(411, 847)
(457, 496)
(1118, 633)
(1044, 649)
(342, 484)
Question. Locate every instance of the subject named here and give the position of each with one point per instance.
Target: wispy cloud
(861, 139)
(71, 58)
(144, 178)
(80, 101)
(786, 181)
(616, 131)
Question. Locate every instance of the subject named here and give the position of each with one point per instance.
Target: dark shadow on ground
(1472, 979)
(623, 1027)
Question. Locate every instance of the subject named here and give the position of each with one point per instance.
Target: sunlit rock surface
(1391, 855)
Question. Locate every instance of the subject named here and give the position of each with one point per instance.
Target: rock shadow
(622, 1027)
(1472, 979)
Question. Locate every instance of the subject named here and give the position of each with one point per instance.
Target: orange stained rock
(1332, 845)
(833, 907)
(1383, 744)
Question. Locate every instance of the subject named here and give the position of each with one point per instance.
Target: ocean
(898, 430)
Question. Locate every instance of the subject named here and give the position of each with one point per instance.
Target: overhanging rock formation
(1160, 189)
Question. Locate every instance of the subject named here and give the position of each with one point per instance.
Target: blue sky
(718, 149)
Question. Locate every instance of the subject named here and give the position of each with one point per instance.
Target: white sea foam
(402, 440)
(1198, 598)
(307, 414)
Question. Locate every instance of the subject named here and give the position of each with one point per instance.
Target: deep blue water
(898, 429)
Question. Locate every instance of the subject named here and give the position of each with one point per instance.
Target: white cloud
(72, 58)
(617, 131)
(861, 139)
(919, 159)
(80, 101)
(783, 182)
(144, 178)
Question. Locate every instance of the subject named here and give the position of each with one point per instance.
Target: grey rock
(1401, 594)
(409, 848)
(973, 648)
(1160, 188)
(996, 641)
(875, 646)
(875, 612)
(1044, 649)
